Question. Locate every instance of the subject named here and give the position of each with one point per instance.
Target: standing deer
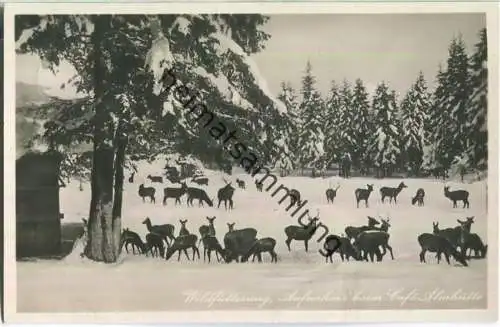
(132, 238)
(391, 192)
(226, 194)
(241, 184)
(331, 193)
(237, 243)
(370, 241)
(439, 244)
(304, 232)
(182, 244)
(258, 185)
(184, 231)
(155, 179)
(197, 193)
(147, 192)
(459, 195)
(352, 232)
(166, 230)
(419, 197)
(363, 194)
(174, 192)
(131, 178)
(266, 244)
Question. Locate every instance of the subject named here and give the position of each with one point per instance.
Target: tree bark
(118, 201)
(101, 241)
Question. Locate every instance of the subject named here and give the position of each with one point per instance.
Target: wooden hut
(38, 219)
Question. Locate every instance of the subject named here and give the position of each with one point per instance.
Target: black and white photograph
(317, 161)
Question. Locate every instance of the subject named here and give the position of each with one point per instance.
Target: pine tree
(384, 145)
(346, 124)
(311, 138)
(477, 145)
(290, 127)
(332, 127)
(360, 127)
(452, 105)
(414, 107)
(434, 126)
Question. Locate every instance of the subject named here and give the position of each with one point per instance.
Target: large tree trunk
(101, 244)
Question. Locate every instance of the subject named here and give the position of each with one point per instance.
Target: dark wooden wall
(37, 205)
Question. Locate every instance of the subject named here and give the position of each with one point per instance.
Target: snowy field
(300, 280)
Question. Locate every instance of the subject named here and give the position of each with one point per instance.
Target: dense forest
(417, 132)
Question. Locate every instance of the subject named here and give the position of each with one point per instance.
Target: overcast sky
(378, 47)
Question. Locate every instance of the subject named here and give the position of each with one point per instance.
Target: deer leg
(274, 256)
(447, 257)
(390, 251)
(165, 200)
(422, 256)
(371, 256)
(395, 200)
(186, 253)
(438, 255)
(209, 253)
(306, 245)
(179, 256)
(366, 203)
(288, 241)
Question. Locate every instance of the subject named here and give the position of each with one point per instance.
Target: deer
(207, 231)
(132, 238)
(295, 197)
(147, 192)
(259, 185)
(210, 243)
(352, 232)
(184, 231)
(241, 184)
(473, 242)
(237, 243)
(458, 195)
(182, 244)
(155, 179)
(266, 244)
(391, 192)
(200, 181)
(197, 193)
(368, 242)
(342, 245)
(166, 231)
(174, 192)
(439, 244)
(154, 245)
(226, 194)
(331, 194)
(304, 232)
(419, 197)
(131, 178)
(363, 194)
(454, 235)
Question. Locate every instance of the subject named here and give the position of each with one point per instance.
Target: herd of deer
(225, 194)
(361, 243)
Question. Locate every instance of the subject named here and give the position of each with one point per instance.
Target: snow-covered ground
(299, 280)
